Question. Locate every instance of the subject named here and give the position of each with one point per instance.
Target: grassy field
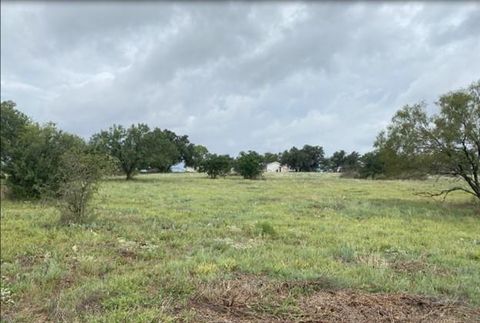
(181, 247)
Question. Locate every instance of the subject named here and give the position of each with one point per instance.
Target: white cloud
(236, 76)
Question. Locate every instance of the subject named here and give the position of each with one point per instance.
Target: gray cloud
(236, 76)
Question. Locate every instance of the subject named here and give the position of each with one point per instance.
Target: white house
(276, 167)
(273, 167)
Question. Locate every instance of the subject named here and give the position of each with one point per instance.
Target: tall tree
(291, 158)
(402, 146)
(312, 158)
(182, 144)
(162, 151)
(271, 157)
(337, 160)
(352, 162)
(128, 146)
(445, 143)
(371, 165)
(198, 154)
(12, 125)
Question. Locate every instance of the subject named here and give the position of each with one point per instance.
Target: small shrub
(345, 254)
(265, 229)
(80, 174)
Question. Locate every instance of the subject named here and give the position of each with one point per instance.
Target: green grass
(157, 239)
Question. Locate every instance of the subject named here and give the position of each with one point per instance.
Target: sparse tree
(445, 143)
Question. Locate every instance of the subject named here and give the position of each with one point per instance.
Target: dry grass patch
(248, 298)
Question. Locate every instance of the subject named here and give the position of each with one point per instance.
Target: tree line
(42, 160)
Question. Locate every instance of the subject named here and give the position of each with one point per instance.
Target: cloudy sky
(236, 76)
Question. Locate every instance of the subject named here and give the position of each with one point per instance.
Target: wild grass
(159, 239)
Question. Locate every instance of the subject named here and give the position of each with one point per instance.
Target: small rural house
(273, 167)
(276, 167)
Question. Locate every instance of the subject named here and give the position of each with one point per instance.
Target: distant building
(276, 167)
(273, 167)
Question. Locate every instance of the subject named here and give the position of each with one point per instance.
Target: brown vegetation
(253, 299)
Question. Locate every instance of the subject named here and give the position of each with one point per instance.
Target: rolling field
(293, 247)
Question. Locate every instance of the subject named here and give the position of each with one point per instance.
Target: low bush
(79, 175)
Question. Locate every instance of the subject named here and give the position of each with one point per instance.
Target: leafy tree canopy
(34, 162)
(198, 154)
(271, 157)
(307, 159)
(216, 165)
(12, 124)
(447, 142)
(249, 164)
(128, 145)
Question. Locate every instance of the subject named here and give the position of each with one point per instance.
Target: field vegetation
(296, 246)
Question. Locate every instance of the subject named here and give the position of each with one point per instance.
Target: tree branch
(445, 193)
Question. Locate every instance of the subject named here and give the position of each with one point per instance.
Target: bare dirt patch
(253, 299)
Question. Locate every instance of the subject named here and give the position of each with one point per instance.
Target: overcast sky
(236, 76)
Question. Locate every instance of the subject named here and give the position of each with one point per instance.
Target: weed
(265, 229)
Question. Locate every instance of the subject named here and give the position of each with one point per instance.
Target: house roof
(274, 163)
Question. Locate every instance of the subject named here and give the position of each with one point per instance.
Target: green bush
(265, 229)
(79, 174)
(216, 165)
(33, 163)
(249, 165)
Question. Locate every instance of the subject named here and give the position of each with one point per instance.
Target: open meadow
(293, 247)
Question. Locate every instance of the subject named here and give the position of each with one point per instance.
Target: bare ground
(253, 299)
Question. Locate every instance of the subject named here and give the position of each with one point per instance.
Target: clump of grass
(345, 253)
(265, 228)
